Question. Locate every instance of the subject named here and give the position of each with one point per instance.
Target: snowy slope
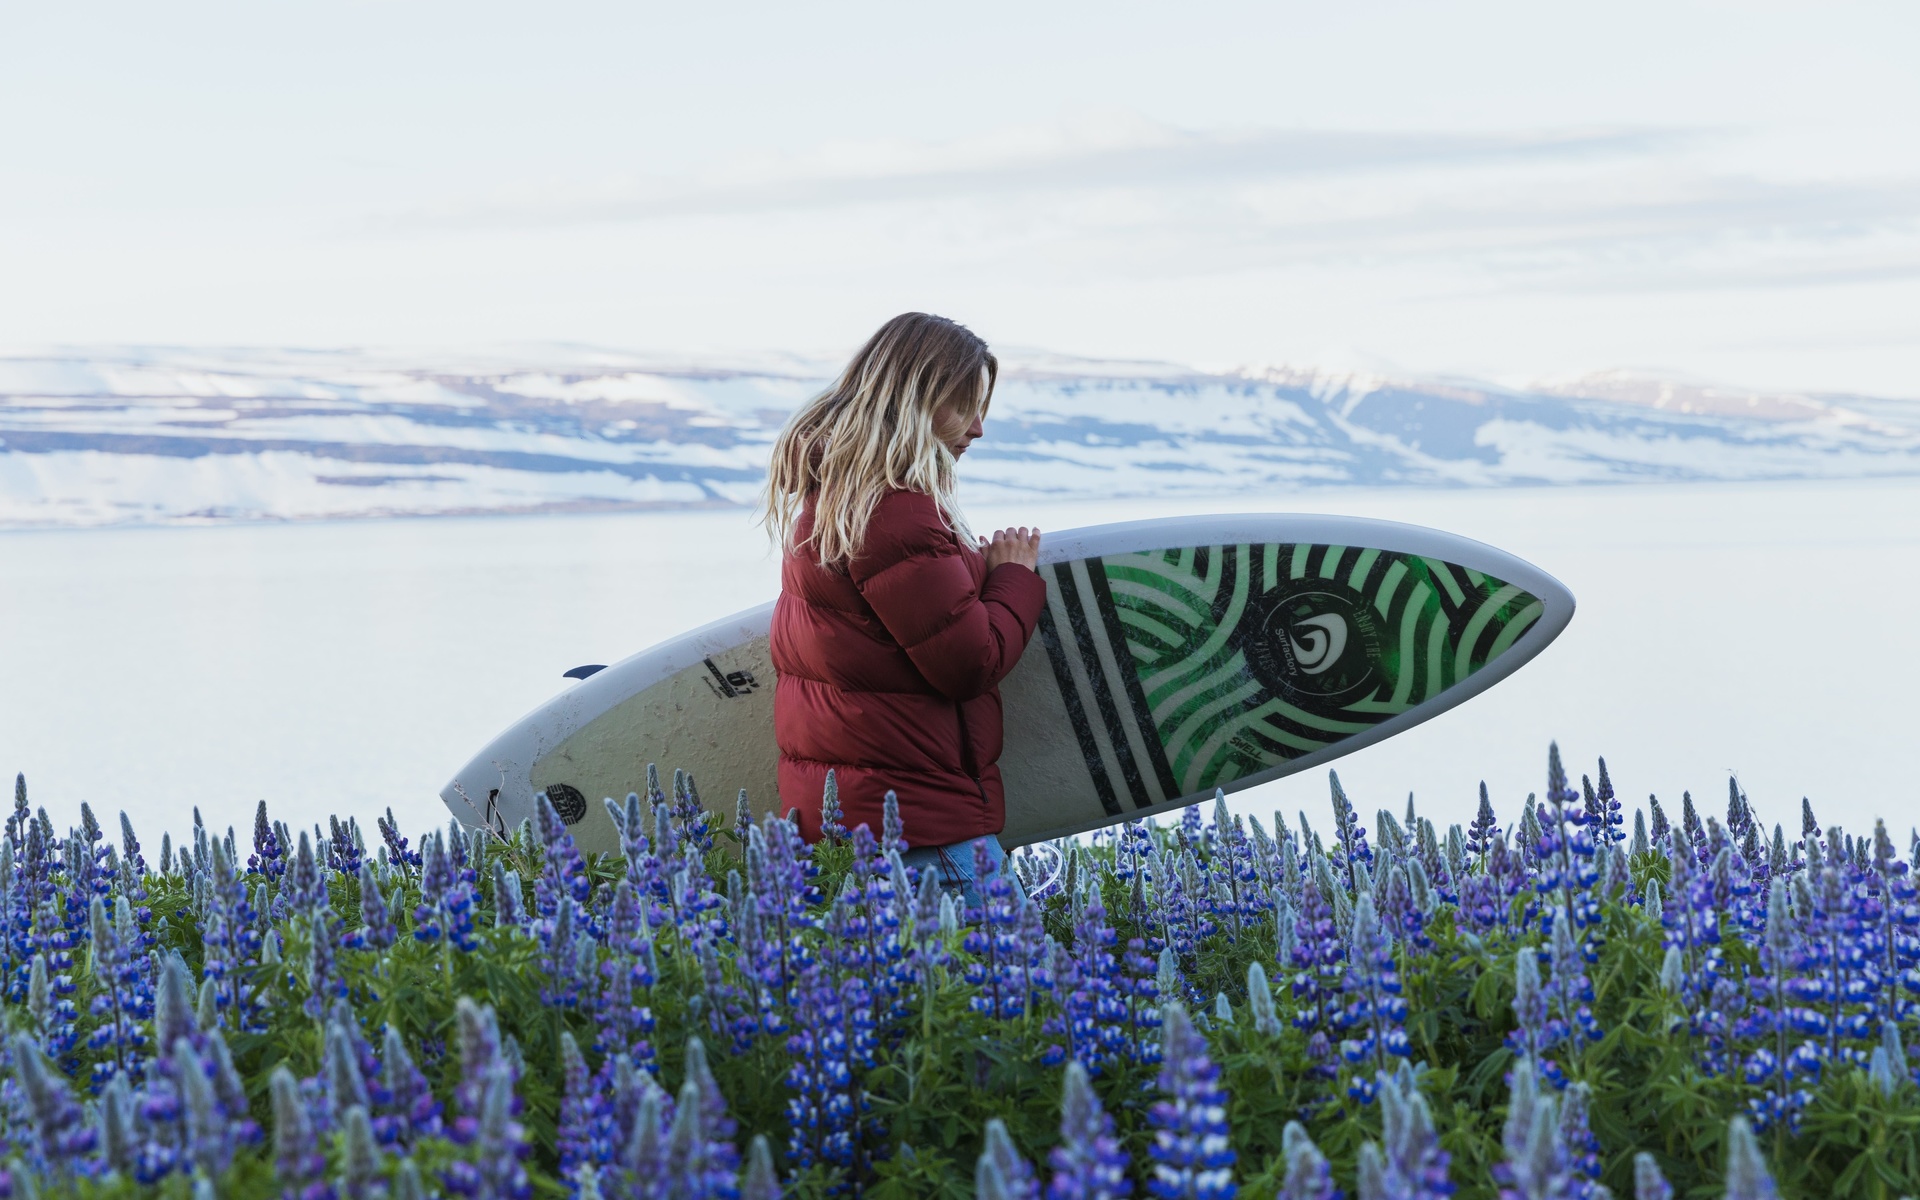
(144, 436)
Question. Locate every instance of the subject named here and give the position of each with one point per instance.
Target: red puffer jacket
(888, 674)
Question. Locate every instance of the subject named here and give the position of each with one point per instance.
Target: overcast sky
(1728, 190)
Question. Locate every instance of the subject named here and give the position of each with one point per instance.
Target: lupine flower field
(1555, 1001)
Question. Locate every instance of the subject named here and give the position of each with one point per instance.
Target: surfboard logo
(1326, 640)
(1317, 643)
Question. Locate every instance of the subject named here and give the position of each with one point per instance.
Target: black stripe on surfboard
(1097, 677)
(1130, 681)
(1076, 712)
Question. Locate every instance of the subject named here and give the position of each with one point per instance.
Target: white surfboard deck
(1175, 656)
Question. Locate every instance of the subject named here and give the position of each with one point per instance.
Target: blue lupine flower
(1832, 957)
(1309, 1175)
(231, 939)
(623, 1017)
(580, 1132)
(62, 1138)
(376, 930)
(125, 998)
(1648, 1182)
(1320, 957)
(1012, 1174)
(1747, 1175)
(1351, 834)
(399, 854)
(1088, 1163)
(1576, 1130)
(563, 881)
(1480, 832)
(995, 944)
(1535, 1030)
(758, 1181)
(1409, 1164)
(1193, 1159)
(495, 1171)
(1776, 1063)
(1538, 1165)
(1569, 990)
(1374, 1009)
(297, 1159)
(409, 1111)
(831, 1043)
(445, 911)
(831, 817)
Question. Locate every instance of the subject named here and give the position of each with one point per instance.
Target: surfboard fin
(583, 672)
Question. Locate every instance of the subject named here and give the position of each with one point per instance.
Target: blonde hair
(879, 429)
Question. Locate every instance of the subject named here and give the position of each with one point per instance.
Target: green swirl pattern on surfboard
(1184, 669)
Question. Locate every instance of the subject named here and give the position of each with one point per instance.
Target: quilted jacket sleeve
(920, 583)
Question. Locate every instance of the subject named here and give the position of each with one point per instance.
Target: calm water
(1765, 630)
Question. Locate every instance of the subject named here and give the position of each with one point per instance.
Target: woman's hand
(1020, 545)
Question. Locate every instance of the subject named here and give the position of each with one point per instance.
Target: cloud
(1114, 153)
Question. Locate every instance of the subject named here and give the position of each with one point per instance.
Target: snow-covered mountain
(149, 436)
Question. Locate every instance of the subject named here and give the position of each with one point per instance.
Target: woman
(893, 630)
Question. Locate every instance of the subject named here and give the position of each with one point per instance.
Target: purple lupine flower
(298, 1162)
(1648, 1182)
(376, 930)
(1538, 1164)
(831, 827)
(893, 832)
(560, 959)
(1535, 1030)
(1569, 990)
(269, 857)
(125, 998)
(1013, 1174)
(831, 1043)
(1775, 1064)
(445, 911)
(1747, 1174)
(1374, 1008)
(398, 852)
(343, 846)
(361, 1158)
(1480, 832)
(495, 1172)
(1309, 1176)
(779, 871)
(1193, 1159)
(995, 944)
(1088, 1163)
(563, 881)
(580, 1139)
(1320, 957)
(1576, 1130)
(230, 936)
(759, 1182)
(1412, 1164)
(699, 1166)
(1351, 834)
(623, 1018)
(509, 904)
(1832, 957)
(1093, 1013)
(409, 1111)
(63, 1141)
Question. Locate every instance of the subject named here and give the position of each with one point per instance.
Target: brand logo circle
(1317, 642)
(567, 802)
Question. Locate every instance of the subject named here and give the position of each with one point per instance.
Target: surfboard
(1174, 657)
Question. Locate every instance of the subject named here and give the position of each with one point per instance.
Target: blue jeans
(953, 866)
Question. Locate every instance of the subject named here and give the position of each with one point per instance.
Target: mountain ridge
(145, 435)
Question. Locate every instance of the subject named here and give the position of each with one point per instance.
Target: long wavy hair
(883, 426)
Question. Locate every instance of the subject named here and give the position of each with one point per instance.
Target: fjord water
(1765, 630)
